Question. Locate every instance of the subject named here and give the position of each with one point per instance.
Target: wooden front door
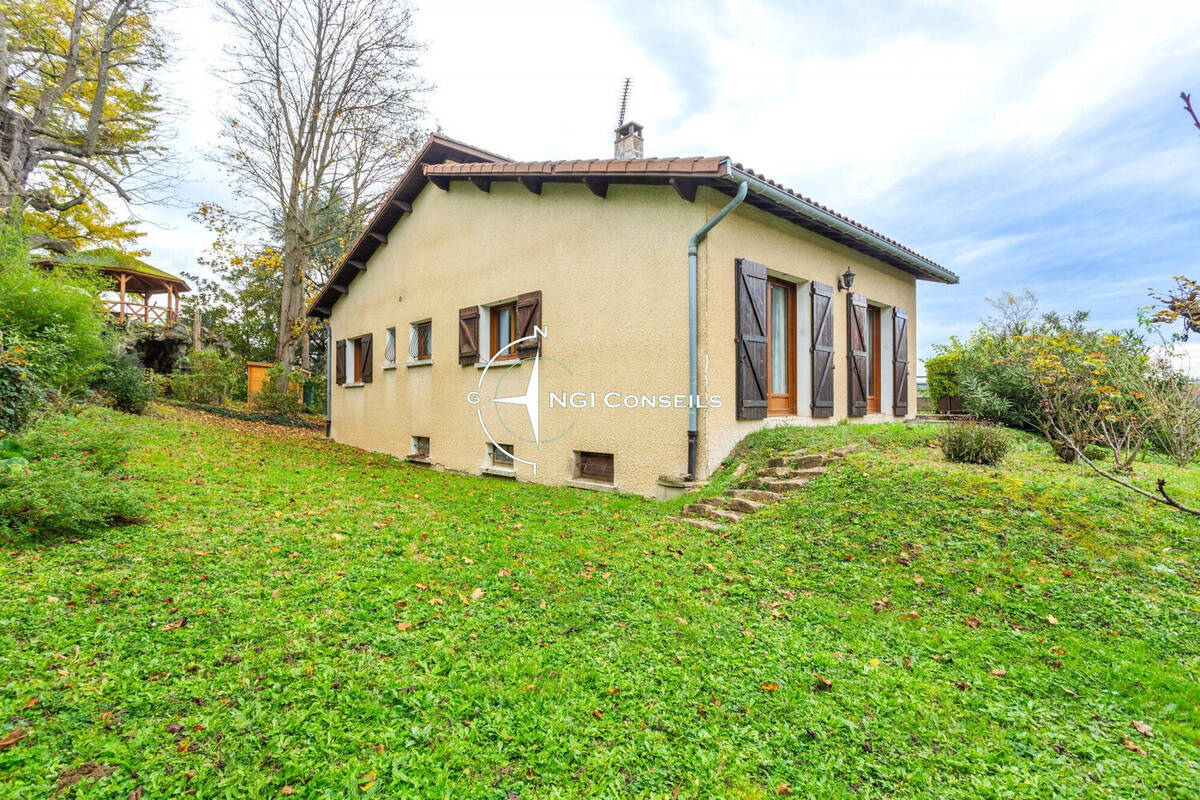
(781, 347)
(873, 359)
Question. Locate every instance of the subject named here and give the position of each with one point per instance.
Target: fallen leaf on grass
(368, 779)
(13, 736)
(403, 626)
(33, 701)
(823, 684)
(770, 686)
(1133, 747)
(174, 727)
(918, 580)
(477, 594)
(174, 625)
(287, 789)
(1053, 620)
(785, 790)
(999, 672)
(1142, 728)
(972, 622)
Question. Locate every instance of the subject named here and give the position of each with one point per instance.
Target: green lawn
(297, 616)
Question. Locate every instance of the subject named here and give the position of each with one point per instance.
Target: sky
(1037, 145)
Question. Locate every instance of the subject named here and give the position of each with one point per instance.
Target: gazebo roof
(140, 276)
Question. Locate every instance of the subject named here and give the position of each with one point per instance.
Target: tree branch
(1161, 497)
(1187, 105)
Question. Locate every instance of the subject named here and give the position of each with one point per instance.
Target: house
(609, 324)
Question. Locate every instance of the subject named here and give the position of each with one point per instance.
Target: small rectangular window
(504, 329)
(420, 447)
(389, 348)
(420, 343)
(501, 455)
(354, 360)
(594, 466)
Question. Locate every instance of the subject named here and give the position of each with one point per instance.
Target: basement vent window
(596, 467)
(420, 449)
(501, 456)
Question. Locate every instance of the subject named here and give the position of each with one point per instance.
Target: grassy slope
(613, 652)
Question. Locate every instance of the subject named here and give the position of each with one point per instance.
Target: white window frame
(389, 342)
(413, 361)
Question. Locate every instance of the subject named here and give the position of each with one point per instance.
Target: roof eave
(911, 262)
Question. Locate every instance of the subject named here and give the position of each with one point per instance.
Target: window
(501, 455)
(420, 448)
(389, 349)
(781, 347)
(594, 466)
(353, 360)
(420, 341)
(504, 329)
(873, 358)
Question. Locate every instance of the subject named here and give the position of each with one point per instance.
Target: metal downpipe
(694, 326)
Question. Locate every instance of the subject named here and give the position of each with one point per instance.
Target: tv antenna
(624, 102)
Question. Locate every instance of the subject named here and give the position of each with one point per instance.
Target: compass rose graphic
(530, 399)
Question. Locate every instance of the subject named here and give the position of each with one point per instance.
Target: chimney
(629, 141)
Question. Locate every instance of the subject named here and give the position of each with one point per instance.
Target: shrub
(20, 396)
(73, 482)
(207, 378)
(314, 388)
(126, 383)
(972, 443)
(269, 400)
(941, 371)
(53, 316)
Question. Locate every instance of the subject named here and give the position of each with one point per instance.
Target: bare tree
(324, 112)
(79, 116)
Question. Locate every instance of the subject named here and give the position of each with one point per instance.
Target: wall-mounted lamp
(846, 280)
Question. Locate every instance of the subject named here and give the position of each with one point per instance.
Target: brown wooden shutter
(366, 357)
(529, 316)
(468, 335)
(751, 338)
(339, 349)
(856, 357)
(899, 362)
(822, 349)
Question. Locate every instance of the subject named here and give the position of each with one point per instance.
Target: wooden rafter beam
(532, 184)
(339, 289)
(358, 265)
(377, 236)
(440, 181)
(400, 205)
(598, 186)
(482, 184)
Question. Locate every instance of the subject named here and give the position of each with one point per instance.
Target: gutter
(693, 324)
(818, 214)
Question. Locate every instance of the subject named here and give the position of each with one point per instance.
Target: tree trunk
(305, 349)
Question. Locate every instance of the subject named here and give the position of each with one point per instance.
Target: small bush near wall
(941, 371)
(972, 443)
(19, 395)
(73, 480)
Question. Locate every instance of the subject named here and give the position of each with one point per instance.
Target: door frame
(782, 404)
(874, 360)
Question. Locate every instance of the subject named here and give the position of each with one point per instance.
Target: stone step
(757, 495)
(798, 460)
(709, 512)
(718, 502)
(784, 472)
(845, 450)
(785, 485)
(702, 524)
(743, 505)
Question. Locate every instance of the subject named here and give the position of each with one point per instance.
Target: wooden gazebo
(135, 284)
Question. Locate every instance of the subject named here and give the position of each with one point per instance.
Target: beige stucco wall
(793, 254)
(613, 277)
